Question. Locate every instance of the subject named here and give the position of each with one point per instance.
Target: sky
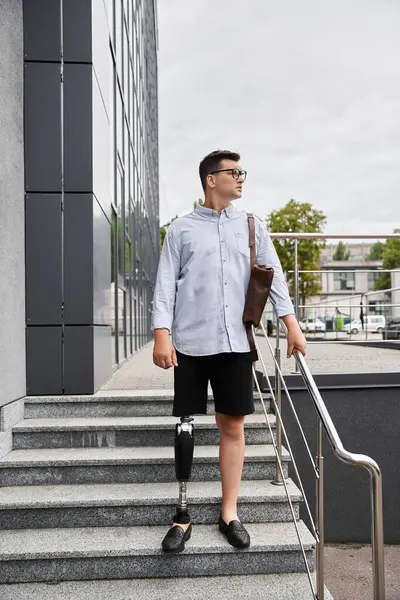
(307, 91)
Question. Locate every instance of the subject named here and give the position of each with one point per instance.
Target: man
(361, 312)
(199, 297)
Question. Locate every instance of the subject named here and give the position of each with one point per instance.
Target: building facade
(345, 283)
(79, 205)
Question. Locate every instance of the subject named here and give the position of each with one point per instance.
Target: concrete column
(68, 256)
(12, 267)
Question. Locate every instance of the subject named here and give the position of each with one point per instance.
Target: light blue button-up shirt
(203, 277)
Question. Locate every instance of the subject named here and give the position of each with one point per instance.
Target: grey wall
(12, 269)
(367, 421)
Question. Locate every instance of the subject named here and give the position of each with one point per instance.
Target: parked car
(392, 330)
(372, 323)
(312, 325)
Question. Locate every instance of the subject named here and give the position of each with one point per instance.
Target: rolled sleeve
(165, 289)
(266, 255)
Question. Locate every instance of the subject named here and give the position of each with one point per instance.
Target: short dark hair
(212, 162)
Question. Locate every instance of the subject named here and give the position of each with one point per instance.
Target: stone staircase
(89, 489)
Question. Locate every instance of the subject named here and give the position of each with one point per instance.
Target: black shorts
(230, 375)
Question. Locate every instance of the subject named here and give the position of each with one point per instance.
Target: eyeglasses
(236, 174)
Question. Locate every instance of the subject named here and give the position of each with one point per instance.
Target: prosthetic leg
(184, 446)
(176, 537)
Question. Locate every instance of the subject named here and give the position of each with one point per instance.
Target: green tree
(376, 251)
(163, 231)
(199, 201)
(341, 253)
(163, 228)
(302, 218)
(391, 260)
(119, 257)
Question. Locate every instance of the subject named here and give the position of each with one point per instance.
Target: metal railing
(360, 460)
(337, 304)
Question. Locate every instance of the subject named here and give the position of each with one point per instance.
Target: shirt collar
(209, 213)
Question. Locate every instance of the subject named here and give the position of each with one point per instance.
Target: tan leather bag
(258, 291)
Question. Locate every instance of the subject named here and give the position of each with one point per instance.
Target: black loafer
(175, 539)
(235, 533)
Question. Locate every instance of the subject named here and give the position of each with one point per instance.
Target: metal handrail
(325, 423)
(281, 427)
(360, 460)
(277, 445)
(357, 460)
(378, 270)
(335, 236)
(352, 296)
(344, 305)
(281, 478)
(280, 475)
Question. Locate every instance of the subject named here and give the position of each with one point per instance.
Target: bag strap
(252, 246)
(250, 338)
(252, 239)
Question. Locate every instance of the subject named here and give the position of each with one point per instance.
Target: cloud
(308, 93)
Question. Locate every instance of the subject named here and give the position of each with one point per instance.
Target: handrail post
(377, 538)
(320, 554)
(296, 289)
(278, 398)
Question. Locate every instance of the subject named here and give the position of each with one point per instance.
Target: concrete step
(125, 552)
(290, 586)
(111, 432)
(111, 403)
(125, 465)
(125, 505)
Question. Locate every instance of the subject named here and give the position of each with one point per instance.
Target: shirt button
(226, 283)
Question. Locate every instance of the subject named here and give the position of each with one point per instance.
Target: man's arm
(164, 354)
(296, 342)
(266, 255)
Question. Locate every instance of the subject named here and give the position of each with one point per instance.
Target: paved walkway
(348, 572)
(139, 372)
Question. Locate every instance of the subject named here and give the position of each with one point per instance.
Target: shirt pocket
(242, 242)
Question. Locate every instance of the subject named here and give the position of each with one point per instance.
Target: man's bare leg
(231, 457)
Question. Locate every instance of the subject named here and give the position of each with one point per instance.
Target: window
(372, 279)
(113, 303)
(380, 307)
(111, 19)
(126, 62)
(343, 281)
(118, 36)
(134, 164)
(120, 123)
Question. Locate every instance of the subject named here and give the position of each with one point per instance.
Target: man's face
(228, 183)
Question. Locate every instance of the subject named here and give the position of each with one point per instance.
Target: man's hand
(164, 354)
(296, 342)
